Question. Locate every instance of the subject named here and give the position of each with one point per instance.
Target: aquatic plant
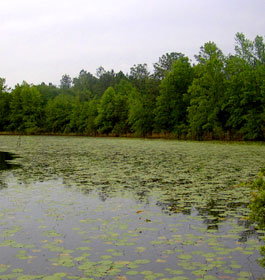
(257, 206)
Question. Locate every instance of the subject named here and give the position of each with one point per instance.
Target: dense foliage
(219, 97)
(257, 205)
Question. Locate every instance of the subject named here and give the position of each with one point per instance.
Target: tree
(26, 112)
(47, 92)
(4, 106)
(259, 49)
(3, 86)
(244, 89)
(142, 100)
(252, 52)
(105, 80)
(65, 82)
(106, 118)
(165, 63)
(245, 99)
(141, 109)
(100, 71)
(83, 115)
(121, 101)
(139, 72)
(137, 114)
(171, 106)
(84, 86)
(206, 93)
(90, 110)
(58, 113)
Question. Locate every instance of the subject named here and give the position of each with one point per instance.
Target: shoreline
(206, 138)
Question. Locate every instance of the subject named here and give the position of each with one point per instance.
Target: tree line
(218, 97)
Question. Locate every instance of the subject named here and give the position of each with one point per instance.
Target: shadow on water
(5, 159)
(6, 164)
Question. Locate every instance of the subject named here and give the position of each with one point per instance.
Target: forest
(217, 97)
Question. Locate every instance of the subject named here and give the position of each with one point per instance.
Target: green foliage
(26, 109)
(253, 52)
(83, 117)
(66, 82)
(142, 107)
(105, 119)
(244, 89)
(113, 109)
(47, 92)
(257, 206)
(58, 113)
(105, 80)
(165, 63)
(4, 106)
(123, 90)
(218, 98)
(137, 114)
(3, 86)
(84, 85)
(206, 91)
(171, 106)
(139, 72)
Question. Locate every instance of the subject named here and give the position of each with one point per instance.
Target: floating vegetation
(96, 208)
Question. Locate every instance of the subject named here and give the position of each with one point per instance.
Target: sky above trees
(41, 40)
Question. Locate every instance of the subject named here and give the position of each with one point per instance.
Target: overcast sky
(43, 39)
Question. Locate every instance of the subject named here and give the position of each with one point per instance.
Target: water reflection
(56, 228)
(5, 159)
(172, 196)
(5, 164)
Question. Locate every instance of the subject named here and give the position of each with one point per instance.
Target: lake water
(112, 208)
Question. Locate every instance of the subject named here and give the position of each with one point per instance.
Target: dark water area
(5, 159)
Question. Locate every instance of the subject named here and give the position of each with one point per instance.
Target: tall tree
(4, 105)
(105, 80)
(139, 74)
(3, 86)
(165, 63)
(26, 113)
(106, 117)
(84, 86)
(65, 82)
(123, 90)
(253, 52)
(58, 113)
(141, 108)
(206, 92)
(171, 106)
(47, 92)
(259, 49)
(245, 99)
(113, 109)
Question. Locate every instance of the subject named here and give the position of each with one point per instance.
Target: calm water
(89, 208)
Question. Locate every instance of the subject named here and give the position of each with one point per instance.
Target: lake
(116, 208)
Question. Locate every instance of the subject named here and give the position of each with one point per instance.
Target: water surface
(91, 208)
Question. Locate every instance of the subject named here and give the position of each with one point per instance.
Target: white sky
(43, 39)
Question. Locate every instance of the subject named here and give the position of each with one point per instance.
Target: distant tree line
(219, 97)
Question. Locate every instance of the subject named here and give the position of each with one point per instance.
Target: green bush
(257, 206)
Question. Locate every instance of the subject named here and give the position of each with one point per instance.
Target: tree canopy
(218, 97)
